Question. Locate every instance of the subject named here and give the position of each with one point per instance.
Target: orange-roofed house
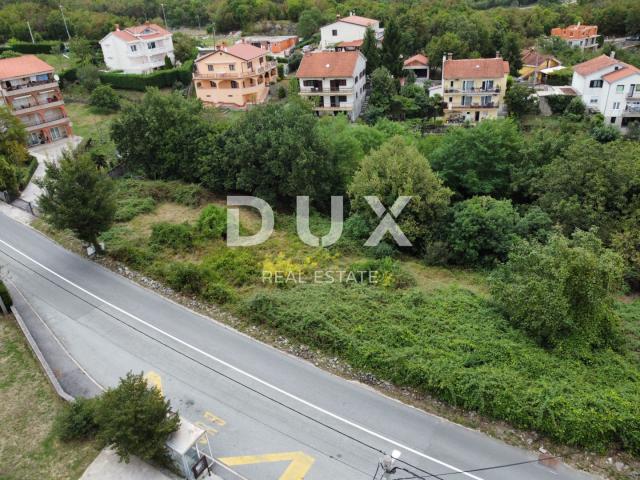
(578, 36)
(418, 64)
(139, 49)
(610, 87)
(347, 33)
(334, 81)
(537, 65)
(473, 89)
(31, 92)
(234, 77)
(277, 45)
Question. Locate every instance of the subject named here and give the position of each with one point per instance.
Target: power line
(222, 374)
(506, 465)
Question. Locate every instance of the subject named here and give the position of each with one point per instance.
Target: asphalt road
(254, 399)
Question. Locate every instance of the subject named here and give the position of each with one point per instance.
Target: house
(473, 89)
(235, 77)
(537, 65)
(419, 64)
(610, 87)
(31, 92)
(348, 32)
(278, 46)
(335, 81)
(578, 36)
(139, 49)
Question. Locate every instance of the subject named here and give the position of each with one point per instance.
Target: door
(477, 116)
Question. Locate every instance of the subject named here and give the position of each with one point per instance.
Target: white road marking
(247, 374)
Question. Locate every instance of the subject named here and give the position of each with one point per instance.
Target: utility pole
(213, 27)
(164, 16)
(65, 22)
(30, 32)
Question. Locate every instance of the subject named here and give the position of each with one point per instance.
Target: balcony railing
(28, 87)
(474, 105)
(31, 106)
(632, 108)
(37, 124)
(239, 74)
(493, 90)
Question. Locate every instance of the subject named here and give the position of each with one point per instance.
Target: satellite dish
(56, 77)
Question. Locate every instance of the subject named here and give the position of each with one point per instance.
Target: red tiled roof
(23, 66)
(245, 51)
(356, 20)
(620, 73)
(530, 56)
(595, 64)
(134, 33)
(476, 68)
(352, 43)
(418, 59)
(139, 29)
(328, 64)
(575, 32)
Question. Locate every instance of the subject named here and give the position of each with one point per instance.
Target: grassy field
(59, 62)
(28, 449)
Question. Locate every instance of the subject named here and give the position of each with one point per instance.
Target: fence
(28, 207)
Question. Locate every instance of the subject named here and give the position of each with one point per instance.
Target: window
(595, 84)
(234, 84)
(151, 45)
(232, 67)
(616, 105)
(451, 84)
(210, 67)
(213, 85)
(593, 100)
(486, 100)
(250, 65)
(613, 120)
(198, 84)
(133, 48)
(466, 100)
(620, 89)
(261, 60)
(467, 84)
(342, 98)
(334, 33)
(487, 84)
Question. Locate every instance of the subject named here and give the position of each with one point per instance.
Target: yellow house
(533, 64)
(235, 77)
(473, 89)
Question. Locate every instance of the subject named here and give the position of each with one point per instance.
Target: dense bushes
(212, 222)
(453, 344)
(77, 420)
(103, 97)
(170, 235)
(159, 78)
(4, 295)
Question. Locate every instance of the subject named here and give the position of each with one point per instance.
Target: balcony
(632, 109)
(313, 90)
(35, 106)
(267, 67)
(28, 87)
(474, 106)
(334, 107)
(39, 124)
(486, 91)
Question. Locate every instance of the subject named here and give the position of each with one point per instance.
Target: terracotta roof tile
(245, 51)
(530, 56)
(620, 73)
(352, 43)
(328, 64)
(595, 64)
(23, 66)
(575, 32)
(476, 68)
(357, 20)
(417, 59)
(132, 34)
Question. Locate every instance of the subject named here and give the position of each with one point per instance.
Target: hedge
(4, 294)
(558, 103)
(27, 172)
(560, 77)
(159, 78)
(40, 47)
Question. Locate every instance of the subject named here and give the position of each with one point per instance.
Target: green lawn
(59, 62)
(28, 448)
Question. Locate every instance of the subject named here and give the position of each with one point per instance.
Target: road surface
(270, 414)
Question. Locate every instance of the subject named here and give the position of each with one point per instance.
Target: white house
(335, 81)
(611, 87)
(139, 49)
(348, 31)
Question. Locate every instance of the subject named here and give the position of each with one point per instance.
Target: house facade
(278, 45)
(31, 92)
(473, 89)
(578, 36)
(234, 77)
(419, 65)
(334, 81)
(610, 87)
(347, 33)
(139, 49)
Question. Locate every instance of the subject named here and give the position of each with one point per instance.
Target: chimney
(117, 27)
(450, 56)
(612, 54)
(498, 54)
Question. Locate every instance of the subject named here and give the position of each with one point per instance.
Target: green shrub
(123, 246)
(28, 47)
(4, 295)
(232, 266)
(27, 172)
(385, 272)
(454, 345)
(212, 222)
(159, 78)
(105, 98)
(171, 235)
(560, 77)
(129, 208)
(89, 76)
(558, 103)
(8, 176)
(219, 293)
(77, 420)
(185, 277)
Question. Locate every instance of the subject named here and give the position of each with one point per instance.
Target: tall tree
(383, 89)
(441, 45)
(370, 50)
(511, 51)
(392, 48)
(78, 197)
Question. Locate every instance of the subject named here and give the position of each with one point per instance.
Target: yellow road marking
(210, 431)
(154, 379)
(300, 463)
(214, 419)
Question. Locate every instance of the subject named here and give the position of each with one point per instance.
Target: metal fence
(28, 207)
